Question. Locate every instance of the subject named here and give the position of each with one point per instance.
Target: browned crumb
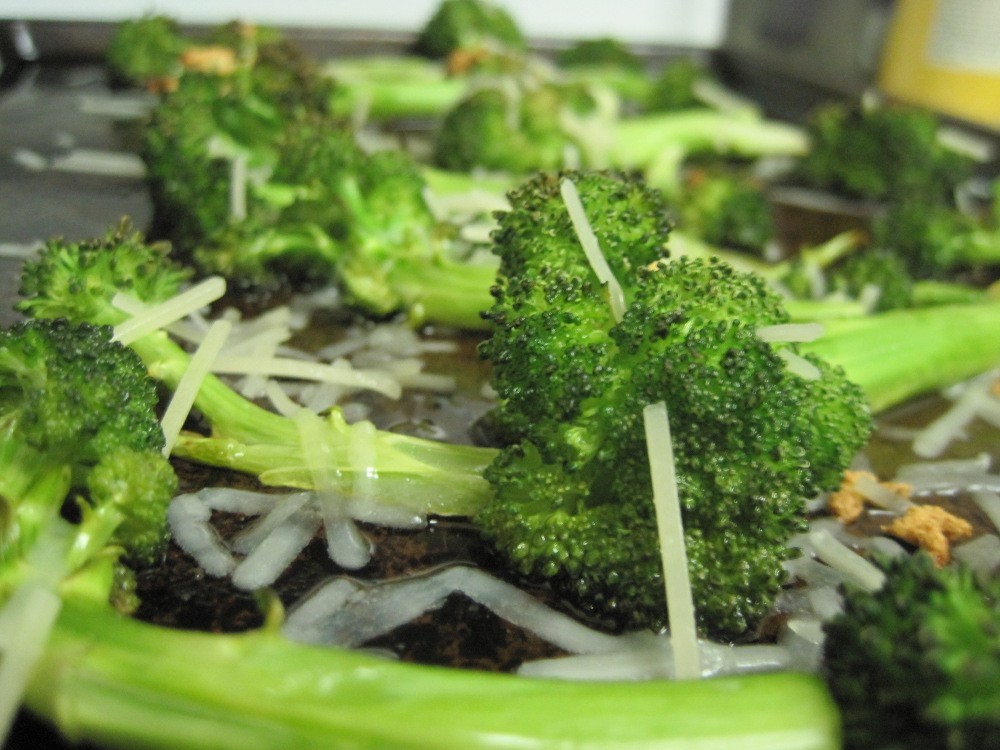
(847, 502)
(211, 59)
(932, 528)
(995, 388)
(461, 61)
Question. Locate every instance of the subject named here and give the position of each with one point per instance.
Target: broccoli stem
(110, 679)
(902, 353)
(392, 87)
(639, 140)
(445, 292)
(429, 476)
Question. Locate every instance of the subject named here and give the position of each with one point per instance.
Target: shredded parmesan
(673, 551)
(155, 317)
(190, 383)
(790, 332)
(799, 365)
(339, 372)
(839, 556)
(238, 175)
(591, 247)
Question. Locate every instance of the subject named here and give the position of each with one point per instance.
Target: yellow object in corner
(945, 55)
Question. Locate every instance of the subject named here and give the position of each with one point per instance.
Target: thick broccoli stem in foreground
(902, 353)
(123, 683)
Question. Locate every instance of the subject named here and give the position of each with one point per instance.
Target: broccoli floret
(934, 239)
(727, 209)
(917, 663)
(78, 281)
(752, 439)
(146, 51)
(208, 142)
(276, 198)
(881, 153)
(555, 125)
(673, 87)
(877, 272)
(77, 408)
(78, 430)
(468, 25)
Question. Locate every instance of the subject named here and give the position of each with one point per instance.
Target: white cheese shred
(839, 556)
(190, 383)
(673, 551)
(287, 367)
(790, 332)
(155, 317)
(238, 176)
(799, 365)
(591, 247)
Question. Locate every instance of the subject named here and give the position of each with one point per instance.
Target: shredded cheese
(591, 247)
(155, 317)
(790, 332)
(190, 383)
(673, 550)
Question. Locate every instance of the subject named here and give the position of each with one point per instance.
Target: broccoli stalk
(124, 683)
(901, 353)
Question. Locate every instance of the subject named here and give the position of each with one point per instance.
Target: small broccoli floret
(468, 25)
(573, 499)
(917, 663)
(76, 405)
(881, 153)
(146, 51)
(727, 209)
(878, 272)
(673, 87)
(934, 240)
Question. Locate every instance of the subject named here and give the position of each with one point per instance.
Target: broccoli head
(726, 209)
(917, 663)
(881, 153)
(146, 51)
(468, 25)
(70, 391)
(753, 434)
(78, 409)
(500, 129)
(934, 240)
(77, 280)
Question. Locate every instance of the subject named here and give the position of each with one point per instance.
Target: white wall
(697, 23)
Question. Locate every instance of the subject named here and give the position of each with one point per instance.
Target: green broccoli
(146, 51)
(79, 437)
(557, 124)
(916, 664)
(881, 153)
(752, 439)
(271, 196)
(79, 423)
(468, 26)
(726, 208)
(673, 87)
(78, 281)
(935, 240)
